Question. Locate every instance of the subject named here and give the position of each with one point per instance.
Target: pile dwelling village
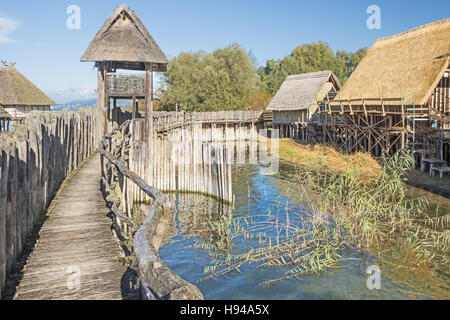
(394, 99)
(397, 97)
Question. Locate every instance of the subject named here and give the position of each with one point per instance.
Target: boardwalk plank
(77, 233)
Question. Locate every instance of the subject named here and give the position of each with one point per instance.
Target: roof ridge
(414, 30)
(134, 19)
(316, 74)
(7, 68)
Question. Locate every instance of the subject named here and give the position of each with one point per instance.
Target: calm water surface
(203, 220)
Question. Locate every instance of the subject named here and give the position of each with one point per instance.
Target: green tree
(318, 57)
(228, 79)
(351, 60)
(312, 57)
(222, 80)
(275, 72)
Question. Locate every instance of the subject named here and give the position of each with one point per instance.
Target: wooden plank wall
(34, 160)
(191, 158)
(290, 117)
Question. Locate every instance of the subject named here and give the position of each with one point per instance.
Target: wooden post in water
(133, 108)
(148, 123)
(108, 111)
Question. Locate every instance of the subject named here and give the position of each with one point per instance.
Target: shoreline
(440, 187)
(299, 153)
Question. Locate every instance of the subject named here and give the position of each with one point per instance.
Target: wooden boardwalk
(77, 239)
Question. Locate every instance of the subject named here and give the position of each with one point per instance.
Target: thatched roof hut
(297, 102)
(409, 65)
(299, 92)
(19, 96)
(16, 90)
(124, 39)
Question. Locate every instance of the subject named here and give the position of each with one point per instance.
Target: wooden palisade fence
(34, 160)
(187, 155)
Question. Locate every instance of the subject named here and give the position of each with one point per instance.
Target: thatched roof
(4, 114)
(124, 38)
(15, 89)
(300, 91)
(408, 65)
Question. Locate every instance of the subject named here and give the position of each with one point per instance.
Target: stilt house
(397, 96)
(296, 103)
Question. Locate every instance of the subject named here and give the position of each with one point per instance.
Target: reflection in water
(205, 224)
(439, 205)
(205, 218)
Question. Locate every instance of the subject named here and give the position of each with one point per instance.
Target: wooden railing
(157, 281)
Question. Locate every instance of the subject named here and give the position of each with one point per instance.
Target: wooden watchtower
(124, 43)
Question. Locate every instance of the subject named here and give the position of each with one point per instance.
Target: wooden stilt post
(101, 95)
(148, 121)
(115, 114)
(107, 110)
(133, 108)
(403, 124)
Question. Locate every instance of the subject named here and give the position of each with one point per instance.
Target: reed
(343, 214)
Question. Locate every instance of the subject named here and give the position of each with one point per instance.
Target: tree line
(228, 78)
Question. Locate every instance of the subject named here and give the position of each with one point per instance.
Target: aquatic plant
(343, 213)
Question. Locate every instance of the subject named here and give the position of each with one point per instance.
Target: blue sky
(34, 33)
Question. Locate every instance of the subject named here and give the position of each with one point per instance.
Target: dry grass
(327, 157)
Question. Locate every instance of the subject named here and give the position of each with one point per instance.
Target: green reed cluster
(343, 212)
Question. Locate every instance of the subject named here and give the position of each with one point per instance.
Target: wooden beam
(328, 104)
(364, 106)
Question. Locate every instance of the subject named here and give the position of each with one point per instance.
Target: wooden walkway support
(77, 240)
(382, 126)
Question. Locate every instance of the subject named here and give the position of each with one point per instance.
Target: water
(201, 220)
(439, 205)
